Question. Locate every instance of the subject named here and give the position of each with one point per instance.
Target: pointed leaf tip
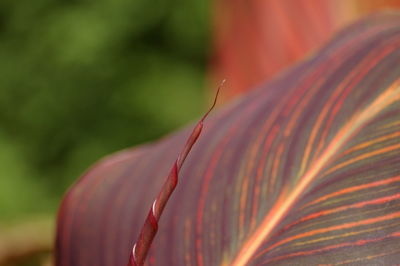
(215, 100)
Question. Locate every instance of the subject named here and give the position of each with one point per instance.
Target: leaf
(303, 171)
(150, 226)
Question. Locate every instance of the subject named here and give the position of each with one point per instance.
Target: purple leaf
(305, 170)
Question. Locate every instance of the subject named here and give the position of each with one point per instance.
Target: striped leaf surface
(303, 171)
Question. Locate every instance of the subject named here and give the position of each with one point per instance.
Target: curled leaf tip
(150, 226)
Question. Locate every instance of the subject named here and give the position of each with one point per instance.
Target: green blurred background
(82, 79)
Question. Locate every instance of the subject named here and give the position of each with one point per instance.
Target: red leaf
(150, 227)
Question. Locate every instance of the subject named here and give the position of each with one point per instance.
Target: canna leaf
(302, 171)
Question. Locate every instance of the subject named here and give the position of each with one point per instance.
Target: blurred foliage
(80, 79)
